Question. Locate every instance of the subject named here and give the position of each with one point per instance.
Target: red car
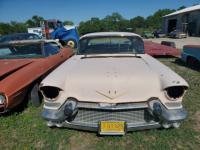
(155, 49)
(23, 64)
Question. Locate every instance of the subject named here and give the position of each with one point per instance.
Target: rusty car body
(155, 49)
(111, 86)
(23, 64)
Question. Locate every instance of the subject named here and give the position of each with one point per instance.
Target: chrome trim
(119, 106)
(50, 104)
(167, 115)
(128, 128)
(154, 118)
(173, 104)
(144, 126)
(91, 117)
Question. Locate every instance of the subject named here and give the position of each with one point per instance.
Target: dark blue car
(18, 37)
(191, 55)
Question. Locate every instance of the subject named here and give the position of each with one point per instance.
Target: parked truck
(54, 29)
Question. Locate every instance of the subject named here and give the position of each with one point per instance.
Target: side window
(36, 37)
(5, 51)
(30, 37)
(50, 49)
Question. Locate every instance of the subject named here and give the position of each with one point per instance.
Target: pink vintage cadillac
(111, 87)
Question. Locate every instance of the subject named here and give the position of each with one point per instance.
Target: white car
(111, 86)
(177, 34)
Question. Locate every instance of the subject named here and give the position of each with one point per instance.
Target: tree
(114, 22)
(92, 25)
(67, 22)
(182, 7)
(155, 21)
(12, 27)
(111, 22)
(137, 22)
(5, 28)
(35, 21)
(124, 25)
(18, 27)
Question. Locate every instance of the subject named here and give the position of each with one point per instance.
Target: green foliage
(113, 22)
(182, 7)
(67, 22)
(124, 25)
(92, 25)
(35, 21)
(116, 22)
(141, 31)
(137, 22)
(12, 27)
(155, 21)
(20, 27)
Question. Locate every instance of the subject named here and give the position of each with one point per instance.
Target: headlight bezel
(45, 90)
(2, 96)
(174, 93)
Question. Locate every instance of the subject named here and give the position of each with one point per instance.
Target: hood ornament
(110, 95)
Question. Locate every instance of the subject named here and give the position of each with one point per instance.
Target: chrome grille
(91, 117)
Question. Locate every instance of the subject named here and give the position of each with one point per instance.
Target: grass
(27, 130)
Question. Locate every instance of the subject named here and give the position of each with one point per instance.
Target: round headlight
(70, 107)
(2, 99)
(173, 93)
(50, 92)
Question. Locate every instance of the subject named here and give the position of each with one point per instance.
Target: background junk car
(155, 49)
(177, 34)
(191, 55)
(19, 37)
(22, 66)
(111, 86)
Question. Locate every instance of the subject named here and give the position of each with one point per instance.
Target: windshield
(110, 45)
(21, 51)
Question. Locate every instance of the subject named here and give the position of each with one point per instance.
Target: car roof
(191, 46)
(27, 42)
(104, 34)
(18, 34)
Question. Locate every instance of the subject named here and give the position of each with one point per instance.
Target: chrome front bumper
(138, 116)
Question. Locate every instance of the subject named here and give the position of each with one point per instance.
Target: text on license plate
(116, 127)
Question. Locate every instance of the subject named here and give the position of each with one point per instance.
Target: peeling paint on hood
(9, 66)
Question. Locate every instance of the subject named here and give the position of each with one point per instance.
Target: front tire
(192, 63)
(35, 96)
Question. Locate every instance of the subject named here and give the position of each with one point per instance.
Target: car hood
(105, 79)
(8, 67)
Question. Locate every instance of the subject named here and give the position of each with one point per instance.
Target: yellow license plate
(112, 127)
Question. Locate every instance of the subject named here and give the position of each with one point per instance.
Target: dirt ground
(179, 42)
